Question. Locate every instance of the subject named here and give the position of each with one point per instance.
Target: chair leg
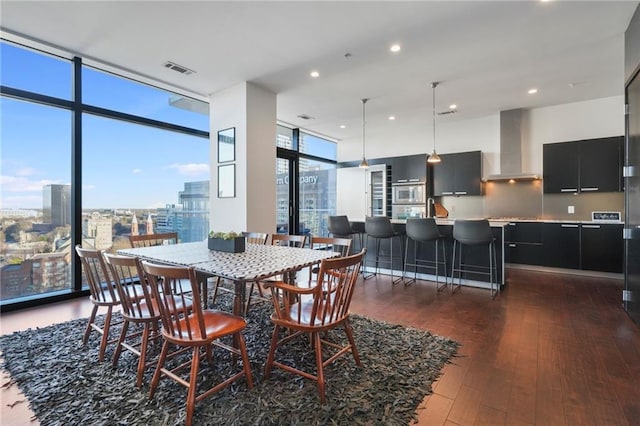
(319, 362)
(364, 261)
(142, 361)
(400, 278)
(245, 360)
(215, 290)
(272, 351)
(105, 334)
(123, 335)
(193, 380)
(156, 375)
(444, 260)
(354, 350)
(92, 319)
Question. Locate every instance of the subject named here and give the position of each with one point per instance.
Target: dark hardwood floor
(552, 349)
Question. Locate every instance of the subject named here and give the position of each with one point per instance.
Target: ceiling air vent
(178, 68)
(306, 117)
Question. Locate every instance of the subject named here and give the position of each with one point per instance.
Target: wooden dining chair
(314, 312)
(340, 245)
(102, 294)
(138, 307)
(196, 329)
(288, 240)
(260, 238)
(150, 240)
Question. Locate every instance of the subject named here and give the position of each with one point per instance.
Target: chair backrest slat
(341, 245)
(256, 237)
(131, 283)
(97, 275)
(181, 318)
(150, 240)
(288, 240)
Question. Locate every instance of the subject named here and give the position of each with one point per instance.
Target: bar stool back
(380, 228)
(340, 227)
(473, 232)
(424, 231)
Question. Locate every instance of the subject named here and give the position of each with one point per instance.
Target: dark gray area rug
(66, 385)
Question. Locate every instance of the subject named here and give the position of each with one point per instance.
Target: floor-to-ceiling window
(89, 157)
(306, 182)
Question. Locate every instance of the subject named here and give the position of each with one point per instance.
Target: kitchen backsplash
(526, 200)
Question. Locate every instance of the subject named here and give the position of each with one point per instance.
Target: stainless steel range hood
(512, 139)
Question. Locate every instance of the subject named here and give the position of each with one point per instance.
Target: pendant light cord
(434, 85)
(364, 101)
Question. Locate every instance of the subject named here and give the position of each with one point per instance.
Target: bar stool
(424, 231)
(340, 227)
(473, 232)
(380, 228)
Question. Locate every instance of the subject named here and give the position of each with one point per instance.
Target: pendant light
(434, 157)
(364, 164)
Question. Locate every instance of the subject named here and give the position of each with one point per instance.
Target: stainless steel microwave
(409, 193)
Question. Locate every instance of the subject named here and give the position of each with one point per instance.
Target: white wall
(597, 118)
(252, 111)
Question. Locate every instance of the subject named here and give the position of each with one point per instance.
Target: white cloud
(191, 169)
(26, 171)
(136, 171)
(21, 184)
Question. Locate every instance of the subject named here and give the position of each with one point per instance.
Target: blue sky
(124, 165)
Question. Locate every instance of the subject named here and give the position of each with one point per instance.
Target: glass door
(285, 207)
(632, 201)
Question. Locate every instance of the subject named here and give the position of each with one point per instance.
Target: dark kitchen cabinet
(602, 247)
(410, 168)
(601, 165)
(458, 174)
(561, 167)
(561, 242)
(523, 243)
(593, 165)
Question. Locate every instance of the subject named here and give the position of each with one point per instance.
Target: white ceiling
(485, 54)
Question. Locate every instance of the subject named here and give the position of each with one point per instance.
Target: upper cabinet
(458, 174)
(593, 165)
(409, 169)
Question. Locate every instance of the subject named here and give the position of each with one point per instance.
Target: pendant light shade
(364, 164)
(434, 157)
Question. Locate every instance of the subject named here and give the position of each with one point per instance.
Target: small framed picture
(227, 181)
(227, 145)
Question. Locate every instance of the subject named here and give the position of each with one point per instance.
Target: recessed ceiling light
(395, 48)
(314, 74)
(453, 106)
(342, 126)
(392, 117)
(532, 91)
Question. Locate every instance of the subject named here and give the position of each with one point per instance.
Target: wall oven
(411, 193)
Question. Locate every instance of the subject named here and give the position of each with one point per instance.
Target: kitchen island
(473, 255)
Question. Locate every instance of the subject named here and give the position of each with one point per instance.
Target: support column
(251, 110)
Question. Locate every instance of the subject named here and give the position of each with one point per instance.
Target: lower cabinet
(602, 247)
(561, 243)
(523, 243)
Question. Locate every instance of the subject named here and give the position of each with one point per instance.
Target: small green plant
(224, 235)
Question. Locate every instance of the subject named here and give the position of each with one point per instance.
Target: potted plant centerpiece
(230, 242)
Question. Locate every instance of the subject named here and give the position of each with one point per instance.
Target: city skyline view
(35, 140)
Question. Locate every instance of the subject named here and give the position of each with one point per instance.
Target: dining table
(257, 262)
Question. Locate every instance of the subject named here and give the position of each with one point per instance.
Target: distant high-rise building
(56, 205)
(98, 229)
(134, 225)
(190, 218)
